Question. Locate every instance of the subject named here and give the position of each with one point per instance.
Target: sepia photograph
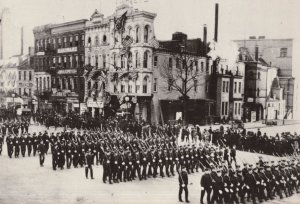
(149, 101)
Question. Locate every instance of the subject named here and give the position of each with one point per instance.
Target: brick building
(58, 60)
(277, 53)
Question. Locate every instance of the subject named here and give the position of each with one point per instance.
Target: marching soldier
(41, 151)
(206, 185)
(89, 164)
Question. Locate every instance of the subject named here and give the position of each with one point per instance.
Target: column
(93, 112)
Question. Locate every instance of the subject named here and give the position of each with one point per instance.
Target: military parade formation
(131, 151)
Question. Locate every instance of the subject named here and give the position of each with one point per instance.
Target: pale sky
(238, 19)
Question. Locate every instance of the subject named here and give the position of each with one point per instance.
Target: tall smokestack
(216, 22)
(22, 41)
(205, 38)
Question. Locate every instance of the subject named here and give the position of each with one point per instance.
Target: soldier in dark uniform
(183, 184)
(217, 186)
(144, 163)
(41, 152)
(206, 185)
(251, 185)
(107, 168)
(17, 146)
(10, 146)
(23, 145)
(89, 164)
(29, 144)
(69, 149)
(1, 142)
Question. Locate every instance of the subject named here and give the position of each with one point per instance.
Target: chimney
(256, 53)
(216, 22)
(22, 41)
(205, 38)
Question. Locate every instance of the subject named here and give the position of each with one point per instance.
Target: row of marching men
(259, 183)
(25, 143)
(125, 157)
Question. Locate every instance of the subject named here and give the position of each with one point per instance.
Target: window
(29, 92)
(82, 40)
(122, 61)
(89, 41)
(239, 108)
(155, 61)
(177, 62)
(20, 75)
(76, 61)
(223, 103)
(224, 86)
(137, 60)
(30, 75)
(122, 88)
(170, 63)
(258, 91)
(65, 61)
(137, 35)
(145, 87)
(202, 66)
(96, 40)
(137, 88)
(155, 85)
(96, 85)
(227, 86)
(65, 42)
(115, 88)
(145, 61)
(48, 82)
(114, 60)
(240, 87)
(226, 108)
(195, 85)
(283, 52)
(170, 83)
(104, 61)
(89, 85)
(71, 41)
(76, 40)
(258, 75)
(25, 76)
(104, 39)
(20, 91)
(96, 63)
(235, 108)
(146, 34)
(235, 85)
(129, 88)
(197, 66)
(89, 60)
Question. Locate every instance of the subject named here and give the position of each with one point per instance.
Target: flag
(91, 74)
(127, 41)
(120, 22)
(96, 74)
(123, 75)
(114, 76)
(154, 43)
(134, 75)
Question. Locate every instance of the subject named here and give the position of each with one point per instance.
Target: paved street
(24, 181)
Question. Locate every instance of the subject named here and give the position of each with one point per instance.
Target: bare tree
(184, 77)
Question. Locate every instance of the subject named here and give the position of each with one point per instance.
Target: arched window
(137, 59)
(130, 85)
(122, 61)
(129, 60)
(104, 61)
(145, 82)
(145, 60)
(137, 35)
(146, 33)
(114, 60)
(104, 39)
(89, 41)
(97, 40)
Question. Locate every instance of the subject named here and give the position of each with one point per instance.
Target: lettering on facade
(68, 49)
